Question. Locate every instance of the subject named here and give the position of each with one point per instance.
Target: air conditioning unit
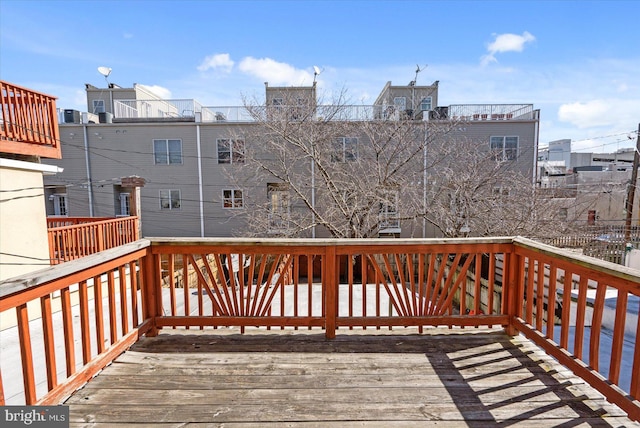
(439, 113)
(71, 116)
(105, 117)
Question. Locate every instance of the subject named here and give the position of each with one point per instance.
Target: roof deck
(379, 378)
(313, 332)
(28, 122)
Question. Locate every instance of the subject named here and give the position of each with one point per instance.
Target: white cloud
(277, 73)
(127, 36)
(159, 91)
(506, 43)
(599, 112)
(218, 61)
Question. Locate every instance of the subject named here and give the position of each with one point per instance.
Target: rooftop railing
(192, 110)
(28, 122)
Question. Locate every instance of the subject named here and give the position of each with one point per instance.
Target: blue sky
(578, 62)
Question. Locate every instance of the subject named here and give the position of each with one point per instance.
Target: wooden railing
(329, 285)
(71, 221)
(82, 236)
(28, 122)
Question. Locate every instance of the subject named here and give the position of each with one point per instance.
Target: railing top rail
(315, 242)
(30, 280)
(4, 83)
(591, 263)
(93, 223)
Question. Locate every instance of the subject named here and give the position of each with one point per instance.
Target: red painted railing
(28, 122)
(138, 288)
(82, 236)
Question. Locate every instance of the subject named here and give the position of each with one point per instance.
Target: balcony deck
(373, 378)
(350, 333)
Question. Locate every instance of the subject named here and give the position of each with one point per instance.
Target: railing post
(150, 285)
(330, 279)
(512, 290)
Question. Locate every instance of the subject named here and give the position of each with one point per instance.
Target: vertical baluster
(580, 317)
(566, 308)
(596, 324)
(67, 323)
(133, 279)
(618, 336)
(49, 345)
(111, 292)
(124, 309)
(540, 296)
(171, 282)
(551, 301)
(97, 295)
(185, 287)
(84, 322)
(26, 354)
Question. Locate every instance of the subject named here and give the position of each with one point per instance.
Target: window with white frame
(232, 198)
(400, 103)
(345, 149)
(98, 106)
(425, 104)
(60, 204)
(389, 211)
(504, 148)
(230, 150)
(278, 194)
(170, 199)
(167, 152)
(125, 204)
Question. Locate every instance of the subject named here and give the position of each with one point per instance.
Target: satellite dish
(105, 71)
(316, 70)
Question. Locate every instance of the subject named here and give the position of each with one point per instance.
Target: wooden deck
(372, 378)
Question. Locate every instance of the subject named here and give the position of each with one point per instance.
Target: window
(170, 199)
(504, 148)
(425, 104)
(563, 213)
(400, 103)
(232, 198)
(501, 191)
(125, 204)
(389, 212)
(278, 194)
(345, 149)
(230, 151)
(167, 152)
(60, 204)
(98, 106)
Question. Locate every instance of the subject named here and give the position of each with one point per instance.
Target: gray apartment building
(182, 155)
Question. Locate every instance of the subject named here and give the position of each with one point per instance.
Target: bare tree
(333, 170)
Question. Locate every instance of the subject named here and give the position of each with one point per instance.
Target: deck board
(377, 378)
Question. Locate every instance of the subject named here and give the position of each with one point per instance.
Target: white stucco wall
(23, 226)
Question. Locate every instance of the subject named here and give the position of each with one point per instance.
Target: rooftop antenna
(316, 71)
(418, 70)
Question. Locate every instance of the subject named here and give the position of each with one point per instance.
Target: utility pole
(631, 191)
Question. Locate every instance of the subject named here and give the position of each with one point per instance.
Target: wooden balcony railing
(112, 298)
(28, 122)
(73, 237)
